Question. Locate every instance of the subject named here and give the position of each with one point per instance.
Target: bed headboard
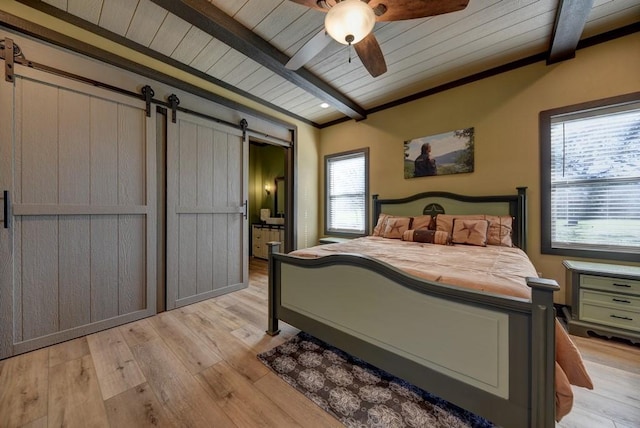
(432, 202)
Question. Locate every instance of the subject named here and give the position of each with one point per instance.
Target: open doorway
(268, 200)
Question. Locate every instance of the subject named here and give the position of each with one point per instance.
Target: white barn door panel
(206, 213)
(80, 254)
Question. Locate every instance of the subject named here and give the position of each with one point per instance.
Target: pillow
(500, 229)
(499, 232)
(427, 236)
(444, 222)
(468, 231)
(423, 222)
(377, 231)
(395, 227)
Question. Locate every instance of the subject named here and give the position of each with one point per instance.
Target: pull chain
(349, 39)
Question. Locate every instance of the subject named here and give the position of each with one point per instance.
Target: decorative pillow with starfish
(472, 232)
(395, 227)
(499, 232)
(416, 222)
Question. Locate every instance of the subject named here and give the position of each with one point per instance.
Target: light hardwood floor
(197, 367)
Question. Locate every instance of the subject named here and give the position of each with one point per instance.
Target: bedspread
(493, 269)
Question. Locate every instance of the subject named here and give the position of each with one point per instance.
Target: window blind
(346, 193)
(595, 179)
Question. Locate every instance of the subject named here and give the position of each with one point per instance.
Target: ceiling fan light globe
(349, 21)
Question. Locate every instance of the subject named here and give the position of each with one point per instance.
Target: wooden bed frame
(492, 355)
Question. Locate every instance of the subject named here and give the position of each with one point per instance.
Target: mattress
(492, 269)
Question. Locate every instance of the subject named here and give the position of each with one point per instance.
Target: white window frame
(336, 157)
(598, 250)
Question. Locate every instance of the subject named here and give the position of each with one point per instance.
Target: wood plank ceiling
(420, 53)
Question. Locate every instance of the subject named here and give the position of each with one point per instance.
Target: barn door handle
(245, 209)
(7, 206)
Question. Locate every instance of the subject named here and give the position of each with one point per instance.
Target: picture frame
(440, 154)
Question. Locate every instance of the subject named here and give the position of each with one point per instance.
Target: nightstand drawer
(609, 316)
(616, 285)
(612, 300)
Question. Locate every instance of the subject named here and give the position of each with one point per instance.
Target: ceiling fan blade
(397, 10)
(309, 50)
(370, 54)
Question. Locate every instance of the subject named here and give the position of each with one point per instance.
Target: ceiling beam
(571, 18)
(218, 24)
(39, 32)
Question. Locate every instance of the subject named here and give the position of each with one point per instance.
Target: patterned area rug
(357, 393)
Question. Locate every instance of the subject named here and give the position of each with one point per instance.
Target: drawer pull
(620, 300)
(621, 285)
(621, 318)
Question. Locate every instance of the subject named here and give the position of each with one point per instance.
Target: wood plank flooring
(196, 367)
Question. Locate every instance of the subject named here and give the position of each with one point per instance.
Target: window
(590, 179)
(347, 193)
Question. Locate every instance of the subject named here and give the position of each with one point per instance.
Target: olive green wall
(265, 164)
(504, 110)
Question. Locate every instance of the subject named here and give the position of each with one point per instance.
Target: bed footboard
(492, 355)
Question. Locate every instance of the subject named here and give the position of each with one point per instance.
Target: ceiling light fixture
(324, 105)
(349, 21)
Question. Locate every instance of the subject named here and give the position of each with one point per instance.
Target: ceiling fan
(351, 22)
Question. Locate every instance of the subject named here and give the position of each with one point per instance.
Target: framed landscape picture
(448, 153)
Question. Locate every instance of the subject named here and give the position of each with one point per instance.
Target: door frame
(289, 184)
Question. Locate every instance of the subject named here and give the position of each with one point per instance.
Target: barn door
(206, 210)
(78, 253)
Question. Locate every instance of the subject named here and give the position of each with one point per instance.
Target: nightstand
(604, 299)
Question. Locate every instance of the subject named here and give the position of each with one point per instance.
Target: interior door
(79, 252)
(207, 253)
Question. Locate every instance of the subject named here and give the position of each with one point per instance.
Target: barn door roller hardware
(147, 93)
(244, 125)
(8, 60)
(174, 102)
(11, 53)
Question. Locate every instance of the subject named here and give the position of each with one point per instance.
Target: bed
(490, 353)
